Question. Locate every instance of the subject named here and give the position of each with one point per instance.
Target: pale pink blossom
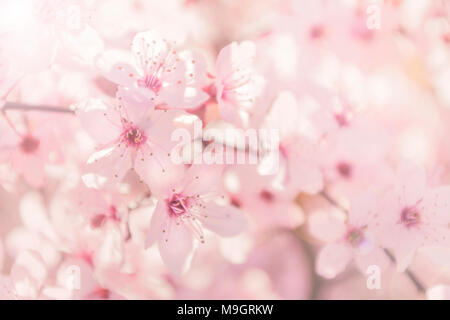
(28, 146)
(260, 197)
(183, 211)
(297, 152)
(98, 207)
(346, 169)
(131, 135)
(26, 279)
(354, 241)
(410, 214)
(237, 84)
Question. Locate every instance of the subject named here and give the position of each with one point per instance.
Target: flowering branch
(415, 280)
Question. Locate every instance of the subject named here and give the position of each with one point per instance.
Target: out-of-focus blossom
(47, 27)
(297, 151)
(267, 205)
(237, 85)
(354, 241)
(29, 147)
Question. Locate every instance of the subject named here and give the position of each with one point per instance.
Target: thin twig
(28, 107)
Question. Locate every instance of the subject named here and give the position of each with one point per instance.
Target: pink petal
(178, 96)
(163, 124)
(332, 260)
(110, 165)
(305, 176)
(404, 253)
(202, 179)
(412, 183)
(31, 166)
(28, 274)
(158, 223)
(231, 113)
(137, 104)
(176, 246)
(235, 56)
(158, 171)
(7, 291)
(101, 121)
(227, 221)
(439, 292)
(110, 252)
(376, 257)
(326, 224)
(284, 115)
(122, 74)
(437, 204)
(34, 215)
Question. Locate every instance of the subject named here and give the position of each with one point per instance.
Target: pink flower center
(267, 196)
(134, 137)
(355, 237)
(342, 118)
(284, 149)
(235, 202)
(150, 82)
(316, 32)
(178, 205)
(410, 217)
(344, 169)
(29, 144)
(98, 220)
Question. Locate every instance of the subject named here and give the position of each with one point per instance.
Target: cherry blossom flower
(27, 277)
(237, 84)
(165, 77)
(100, 209)
(354, 241)
(259, 196)
(410, 214)
(28, 147)
(131, 135)
(348, 170)
(183, 211)
(299, 168)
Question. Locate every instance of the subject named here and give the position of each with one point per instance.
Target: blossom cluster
(201, 149)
